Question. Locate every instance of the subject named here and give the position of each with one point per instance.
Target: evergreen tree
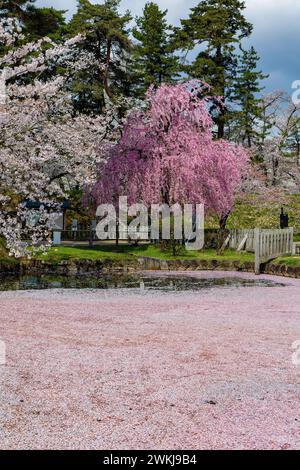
(218, 26)
(36, 22)
(15, 8)
(245, 93)
(41, 22)
(108, 40)
(155, 61)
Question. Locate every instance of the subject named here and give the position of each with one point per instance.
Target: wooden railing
(271, 244)
(266, 244)
(242, 240)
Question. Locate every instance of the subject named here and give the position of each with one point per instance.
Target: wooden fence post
(257, 250)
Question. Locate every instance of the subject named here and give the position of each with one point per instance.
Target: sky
(276, 34)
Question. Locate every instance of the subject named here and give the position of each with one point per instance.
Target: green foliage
(37, 22)
(15, 8)
(107, 38)
(218, 26)
(41, 22)
(155, 61)
(245, 93)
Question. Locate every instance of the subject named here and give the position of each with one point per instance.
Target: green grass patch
(252, 211)
(288, 261)
(65, 253)
(126, 252)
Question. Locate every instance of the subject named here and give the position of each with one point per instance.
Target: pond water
(167, 283)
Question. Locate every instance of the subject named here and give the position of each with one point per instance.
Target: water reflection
(141, 282)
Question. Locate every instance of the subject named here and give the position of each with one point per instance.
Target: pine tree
(15, 8)
(36, 22)
(107, 38)
(41, 22)
(153, 54)
(218, 26)
(245, 93)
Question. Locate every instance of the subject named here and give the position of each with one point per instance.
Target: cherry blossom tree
(279, 137)
(45, 150)
(167, 155)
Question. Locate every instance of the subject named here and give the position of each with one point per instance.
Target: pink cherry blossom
(167, 154)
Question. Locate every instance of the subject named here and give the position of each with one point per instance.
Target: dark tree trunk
(249, 141)
(107, 65)
(221, 129)
(222, 232)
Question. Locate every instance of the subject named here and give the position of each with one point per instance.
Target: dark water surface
(136, 281)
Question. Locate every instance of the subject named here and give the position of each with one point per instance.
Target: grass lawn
(126, 252)
(288, 260)
(252, 211)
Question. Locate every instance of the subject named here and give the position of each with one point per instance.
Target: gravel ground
(128, 369)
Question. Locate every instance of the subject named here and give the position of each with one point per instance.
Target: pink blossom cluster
(167, 154)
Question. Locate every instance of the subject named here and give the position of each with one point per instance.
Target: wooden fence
(271, 244)
(242, 240)
(266, 244)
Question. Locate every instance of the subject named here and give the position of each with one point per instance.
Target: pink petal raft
(131, 370)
